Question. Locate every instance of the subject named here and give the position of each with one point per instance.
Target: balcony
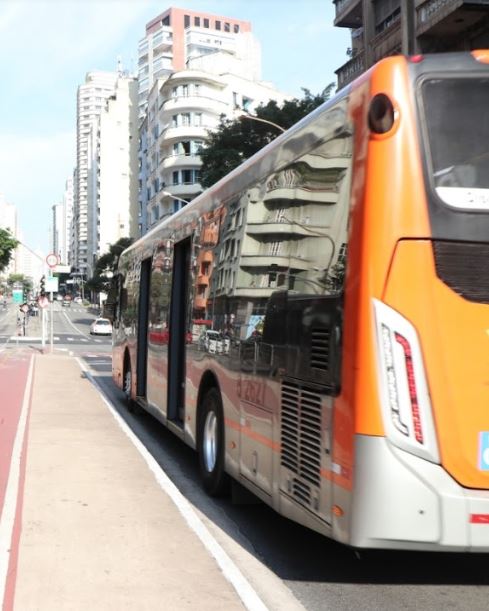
(388, 41)
(348, 13)
(162, 40)
(179, 161)
(191, 102)
(349, 71)
(446, 18)
(202, 280)
(183, 191)
(278, 228)
(266, 260)
(183, 132)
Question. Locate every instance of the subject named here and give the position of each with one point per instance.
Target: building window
(166, 20)
(206, 23)
(187, 177)
(236, 28)
(186, 21)
(227, 27)
(218, 25)
(175, 177)
(197, 119)
(196, 89)
(197, 22)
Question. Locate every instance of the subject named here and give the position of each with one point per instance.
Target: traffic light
(42, 290)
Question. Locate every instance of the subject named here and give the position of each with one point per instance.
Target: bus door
(142, 358)
(178, 331)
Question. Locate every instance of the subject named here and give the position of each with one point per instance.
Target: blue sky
(47, 46)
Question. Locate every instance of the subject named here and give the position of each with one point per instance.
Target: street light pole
(245, 115)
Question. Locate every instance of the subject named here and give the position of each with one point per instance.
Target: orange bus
(316, 324)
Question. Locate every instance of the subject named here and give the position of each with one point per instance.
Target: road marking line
(7, 520)
(70, 339)
(231, 572)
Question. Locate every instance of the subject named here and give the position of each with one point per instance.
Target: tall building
(91, 99)
(58, 232)
(181, 111)
(386, 27)
(179, 35)
(113, 171)
(68, 221)
(194, 68)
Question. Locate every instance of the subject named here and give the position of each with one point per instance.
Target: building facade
(380, 28)
(91, 100)
(177, 36)
(181, 111)
(113, 174)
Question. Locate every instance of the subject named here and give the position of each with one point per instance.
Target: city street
(285, 565)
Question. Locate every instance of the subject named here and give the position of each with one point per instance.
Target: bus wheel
(211, 445)
(128, 385)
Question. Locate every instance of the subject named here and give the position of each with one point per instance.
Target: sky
(47, 47)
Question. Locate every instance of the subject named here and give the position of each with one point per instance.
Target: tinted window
(456, 132)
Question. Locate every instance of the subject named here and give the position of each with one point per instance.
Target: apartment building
(177, 36)
(112, 184)
(380, 28)
(181, 111)
(91, 100)
(68, 220)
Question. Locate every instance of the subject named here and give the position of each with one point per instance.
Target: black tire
(211, 445)
(127, 384)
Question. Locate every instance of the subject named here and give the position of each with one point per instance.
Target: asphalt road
(320, 573)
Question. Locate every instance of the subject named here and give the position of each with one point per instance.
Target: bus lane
(16, 369)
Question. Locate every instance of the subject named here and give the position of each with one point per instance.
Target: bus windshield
(457, 139)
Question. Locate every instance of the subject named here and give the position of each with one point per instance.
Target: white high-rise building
(91, 100)
(179, 35)
(58, 232)
(113, 171)
(68, 214)
(181, 111)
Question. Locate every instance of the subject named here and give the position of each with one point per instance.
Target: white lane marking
(243, 587)
(7, 519)
(70, 339)
(76, 329)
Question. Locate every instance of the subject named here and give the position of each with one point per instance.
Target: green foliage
(7, 245)
(236, 140)
(100, 282)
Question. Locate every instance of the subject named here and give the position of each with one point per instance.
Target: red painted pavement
(14, 368)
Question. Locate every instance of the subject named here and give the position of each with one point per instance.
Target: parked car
(101, 326)
(211, 341)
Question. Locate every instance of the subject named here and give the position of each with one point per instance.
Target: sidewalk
(98, 531)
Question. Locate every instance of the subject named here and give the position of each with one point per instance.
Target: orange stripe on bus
(246, 430)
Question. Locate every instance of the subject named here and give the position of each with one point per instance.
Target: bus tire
(215, 480)
(127, 385)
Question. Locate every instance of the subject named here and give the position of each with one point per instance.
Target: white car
(101, 326)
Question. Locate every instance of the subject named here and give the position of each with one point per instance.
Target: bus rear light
(416, 59)
(406, 405)
(413, 397)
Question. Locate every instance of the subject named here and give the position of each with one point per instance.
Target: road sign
(52, 260)
(51, 284)
(24, 308)
(17, 295)
(43, 302)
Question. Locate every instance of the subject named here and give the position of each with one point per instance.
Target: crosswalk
(60, 339)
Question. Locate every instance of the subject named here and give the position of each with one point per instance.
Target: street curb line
(231, 572)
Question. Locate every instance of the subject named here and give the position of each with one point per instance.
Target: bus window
(457, 137)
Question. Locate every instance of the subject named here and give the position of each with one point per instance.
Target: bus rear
(416, 345)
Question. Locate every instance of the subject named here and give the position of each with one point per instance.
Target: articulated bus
(316, 324)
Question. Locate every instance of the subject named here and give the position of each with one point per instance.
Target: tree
(106, 265)
(237, 140)
(7, 245)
